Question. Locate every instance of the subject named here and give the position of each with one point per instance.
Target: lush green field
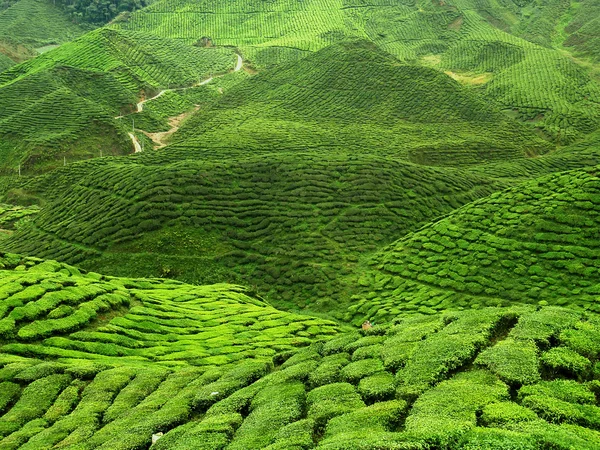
(542, 87)
(518, 377)
(292, 225)
(300, 167)
(35, 24)
(355, 97)
(51, 310)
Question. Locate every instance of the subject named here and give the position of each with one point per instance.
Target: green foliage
(450, 408)
(515, 361)
(510, 247)
(61, 106)
(332, 400)
(52, 310)
(37, 23)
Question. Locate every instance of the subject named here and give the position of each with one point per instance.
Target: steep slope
(440, 381)
(357, 98)
(536, 242)
(543, 88)
(5, 62)
(63, 104)
(289, 224)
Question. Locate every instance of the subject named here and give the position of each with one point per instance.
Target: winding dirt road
(160, 138)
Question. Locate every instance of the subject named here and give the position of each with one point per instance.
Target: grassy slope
(537, 241)
(357, 98)
(5, 62)
(543, 88)
(493, 378)
(64, 102)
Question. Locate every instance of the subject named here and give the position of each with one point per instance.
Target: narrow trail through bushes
(160, 138)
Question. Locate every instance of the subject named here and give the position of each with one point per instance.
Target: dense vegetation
(519, 377)
(536, 242)
(99, 11)
(31, 26)
(357, 98)
(429, 170)
(66, 104)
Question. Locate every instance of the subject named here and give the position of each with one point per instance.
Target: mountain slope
(355, 97)
(542, 87)
(537, 241)
(289, 224)
(438, 381)
(36, 24)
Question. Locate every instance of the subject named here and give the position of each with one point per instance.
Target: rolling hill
(289, 224)
(28, 27)
(536, 242)
(541, 86)
(518, 377)
(347, 225)
(355, 97)
(67, 104)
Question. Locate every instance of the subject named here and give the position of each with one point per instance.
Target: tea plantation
(288, 224)
(296, 225)
(515, 377)
(542, 87)
(537, 242)
(34, 24)
(357, 98)
(63, 105)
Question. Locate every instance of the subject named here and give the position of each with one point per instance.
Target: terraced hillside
(27, 25)
(519, 377)
(289, 224)
(13, 216)
(62, 106)
(536, 242)
(541, 86)
(53, 311)
(355, 97)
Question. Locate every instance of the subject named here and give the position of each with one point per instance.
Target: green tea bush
(332, 400)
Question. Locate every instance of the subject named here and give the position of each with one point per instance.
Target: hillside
(357, 98)
(29, 26)
(51, 310)
(536, 242)
(540, 86)
(299, 225)
(289, 224)
(66, 104)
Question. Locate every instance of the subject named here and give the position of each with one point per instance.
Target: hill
(289, 224)
(542, 87)
(356, 97)
(439, 381)
(5, 62)
(536, 242)
(66, 104)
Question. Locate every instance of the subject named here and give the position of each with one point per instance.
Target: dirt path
(140, 105)
(137, 148)
(160, 138)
